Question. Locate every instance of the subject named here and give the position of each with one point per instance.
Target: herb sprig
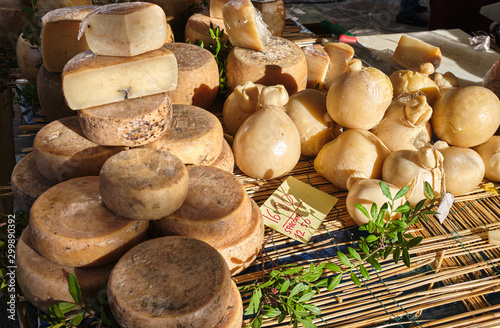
(33, 27)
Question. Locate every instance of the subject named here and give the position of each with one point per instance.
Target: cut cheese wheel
(340, 55)
(29, 59)
(132, 122)
(60, 40)
(12, 19)
(317, 65)
(273, 14)
(90, 80)
(233, 318)
(45, 283)
(62, 152)
(51, 96)
(195, 135)
(170, 282)
(27, 183)
(198, 27)
(143, 184)
(411, 53)
(225, 161)
(282, 62)
(125, 29)
(198, 75)
(71, 226)
(216, 208)
(240, 252)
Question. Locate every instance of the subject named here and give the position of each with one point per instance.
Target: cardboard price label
(296, 209)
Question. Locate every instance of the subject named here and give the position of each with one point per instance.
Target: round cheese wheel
(233, 318)
(45, 283)
(12, 19)
(132, 122)
(143, 184)
(195, 136)
(281, 62)
(71, 226)
(216, 208)
(27, 183)
(225, 161)
(170, 282)
(198, 26)
(29, 59)
(198, 75)
(51, 96)
(62, 151)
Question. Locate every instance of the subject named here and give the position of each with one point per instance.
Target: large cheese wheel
(225, 161)
(29, 59)
(198, 75)
(233, 318)
(198, 28)
(71, 226)
(170, 282)
(45, 283)
(132, 122)
(217, 207)
(63, 152)
(12, 19)
(281, 62)
(143, 184)
(27, 183)
(51, 96)
(195, 136)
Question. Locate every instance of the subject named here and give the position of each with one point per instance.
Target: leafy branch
(33, 29)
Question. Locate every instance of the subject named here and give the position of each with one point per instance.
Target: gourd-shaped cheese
(51, 96)
(317, 65)
(340, 54)
(71, 226)
(132, 122)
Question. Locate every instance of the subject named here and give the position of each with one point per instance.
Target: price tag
(296, 209)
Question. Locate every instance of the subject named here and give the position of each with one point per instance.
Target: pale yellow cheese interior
(317, 65)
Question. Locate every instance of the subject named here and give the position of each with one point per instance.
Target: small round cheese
(225, 161)
(198, 75)
(63, 152)
(195, 135)
(233, 318)
(132, 122)
(170, 282)
(198, 26)
(29, 59)
(51, 96)
(71, 226)
(45, 283)
(143, 184)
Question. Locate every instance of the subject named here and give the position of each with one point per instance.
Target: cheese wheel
(195, 136)
(51, 96)
(281, 62)
(233, 318)
(198, 75)
(216, 208)
(143, 184)
(198, 26)
(12, 19)
(176, 11)
(273, 14)
(71, 226)
(241, 251)
(27, 183)
(45, 283)
(54, 4)
(132, 122)
(29, 59)
(170, 282)
(225, 161)
(62, 151)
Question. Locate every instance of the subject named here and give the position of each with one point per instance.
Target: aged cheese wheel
(216, 208)
(12, 19)
(281, 62)
(225, 161)
(71, 226)
(143, 184)
(176, 11)
(198, 75)
(170, 282)
(273, 14)
(233, 318)
(132, 122)
(29, 59)
(51, 96)
(45, 283)
(198, 26)
(195, 135)
(63, 152)
(27, 183)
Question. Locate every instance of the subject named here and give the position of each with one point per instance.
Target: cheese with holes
(132, 122)
(90, 80)
(125, 29)
(411, 53)
(71, 226)
(317, 65)
(29, 59)
(198, 75)
(143, 184)
(225, 161)
(27, 183)
(60, 40)
(170, 282)
(340, 55)
(273, 14)
(195, 136)
(233, 318)
(198, 28)
(282, 62)
(45, 283)
(63, 152)
(244, 25)
(51, 96)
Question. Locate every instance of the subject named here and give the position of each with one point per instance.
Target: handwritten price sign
(296, 209)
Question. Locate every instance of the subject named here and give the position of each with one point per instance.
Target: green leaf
(312, 277)
(371, 227)
(419, 205)
(66, 307)
(335, 282)
(374, 210)
(381, 216)
(371, 238)
(312, 308)
(343, 258)
(362, 209)
(292, 271)
(396, 254)
(74, 289)
(307, 324)
(333, 267)
(402, 208)
(414, 242)
(428, 191)
(364, 272)
(77, 319)
(297, 289)
(104, 318)
(374, 263)
(354, 254)
(355, 279)
(385, 189)
(364, 247)
(285, 286)
(257, 323)
(57, 312)
(388, 251)
(322, 283)
(273, 313)
(306, 297)
(406, 258)
(274, 273)
(401, 192)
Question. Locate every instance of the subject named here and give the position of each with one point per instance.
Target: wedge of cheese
(71, 226)
(317, 65)
(143, 184)
(216, 8)
(233, 318)
(170, 282)
(411, 53)
(273, 14)
(340, 55)
(225, 161)
(51, 96)
(89, 80)
(126, 29)
(132, 122)
(60, 40)
(198, 27)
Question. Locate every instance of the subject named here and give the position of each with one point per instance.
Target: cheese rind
(317, 65)
(225, 161)
(29, 59)
(132, 122)
(340, 54)
(90, 80)
(71, 226)
(51, 96)
(198, 26)
(411, 53)
(233, 318)
(216, 8)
